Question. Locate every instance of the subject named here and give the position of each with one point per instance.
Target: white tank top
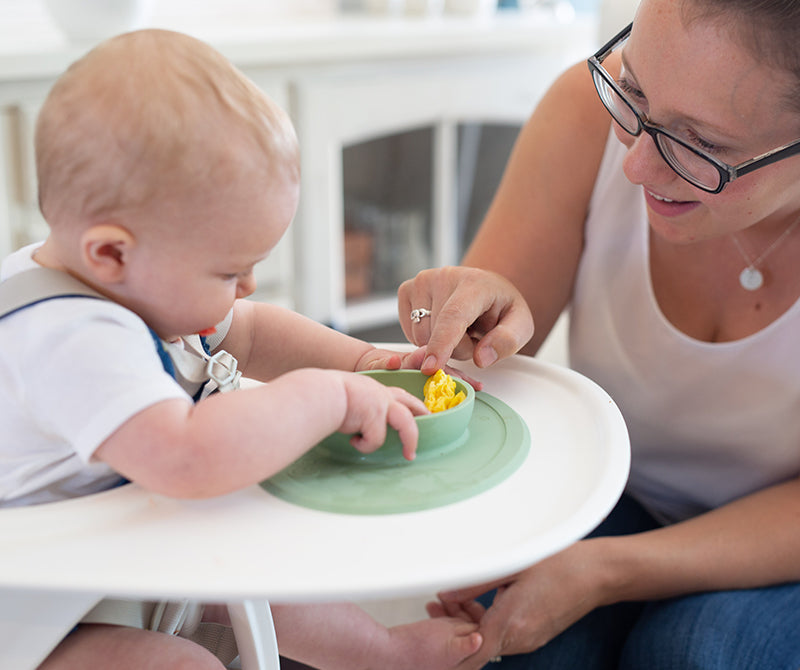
(709, 422)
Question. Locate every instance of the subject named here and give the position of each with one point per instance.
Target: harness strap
(31, 287)
(198, 372)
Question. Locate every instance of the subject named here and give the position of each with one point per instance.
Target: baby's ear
(106, 250)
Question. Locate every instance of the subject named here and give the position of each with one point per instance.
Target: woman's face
(697, 80)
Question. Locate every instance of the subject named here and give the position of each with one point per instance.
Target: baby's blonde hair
(152, 115)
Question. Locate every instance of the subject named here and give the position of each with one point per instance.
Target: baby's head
(147, 121)
(164, 175)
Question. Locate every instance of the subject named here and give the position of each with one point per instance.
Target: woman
(681, 275)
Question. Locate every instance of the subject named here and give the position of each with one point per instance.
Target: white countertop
(33, 47)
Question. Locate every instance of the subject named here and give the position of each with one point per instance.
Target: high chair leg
(255, 635)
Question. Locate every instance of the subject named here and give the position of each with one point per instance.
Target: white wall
(614, 16)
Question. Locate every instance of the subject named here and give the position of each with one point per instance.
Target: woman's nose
(643, 164)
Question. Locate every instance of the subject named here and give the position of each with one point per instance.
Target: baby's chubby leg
(122, 648)
(345, 637)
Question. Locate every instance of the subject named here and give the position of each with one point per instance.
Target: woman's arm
(748, 543)
(752, 542)
(533, 231)
(532, 234)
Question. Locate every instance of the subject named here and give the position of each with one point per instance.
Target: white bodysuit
(72, 371)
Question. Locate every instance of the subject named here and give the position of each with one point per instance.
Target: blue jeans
(756, 629)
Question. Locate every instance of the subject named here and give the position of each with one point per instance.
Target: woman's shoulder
(574, 110)
(563, 144)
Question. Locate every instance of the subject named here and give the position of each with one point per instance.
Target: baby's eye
(229, 276)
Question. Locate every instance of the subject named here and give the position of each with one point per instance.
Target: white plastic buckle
(222, 368)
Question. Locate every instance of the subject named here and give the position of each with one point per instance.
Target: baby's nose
(245, 285)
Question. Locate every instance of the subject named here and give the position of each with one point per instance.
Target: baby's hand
(371, 406)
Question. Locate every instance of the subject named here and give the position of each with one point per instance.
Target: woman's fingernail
(429, 362)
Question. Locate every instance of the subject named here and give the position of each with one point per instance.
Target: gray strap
(218, 639)
(173, 618)
(37, 285)
(132, 613)
(193, 365)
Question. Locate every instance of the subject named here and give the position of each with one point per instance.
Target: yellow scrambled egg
(440, 392)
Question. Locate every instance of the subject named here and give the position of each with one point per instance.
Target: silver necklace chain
(751, 278)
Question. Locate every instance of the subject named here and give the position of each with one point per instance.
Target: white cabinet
(340, 108)
(22, 222)
(344, 80)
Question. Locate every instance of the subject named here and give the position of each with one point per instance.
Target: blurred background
(406, 112)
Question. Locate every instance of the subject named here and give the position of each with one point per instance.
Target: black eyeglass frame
(727, 173)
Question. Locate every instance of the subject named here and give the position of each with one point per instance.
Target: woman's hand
(474, 314)
(533, 606)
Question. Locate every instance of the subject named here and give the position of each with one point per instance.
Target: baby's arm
(268, 341)
(344, 636)
(231, 440)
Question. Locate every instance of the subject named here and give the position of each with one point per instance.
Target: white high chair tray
(131, 543)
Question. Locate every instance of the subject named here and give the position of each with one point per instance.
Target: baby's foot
(431, 644)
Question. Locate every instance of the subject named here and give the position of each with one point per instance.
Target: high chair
(255, 635)
(57, 561)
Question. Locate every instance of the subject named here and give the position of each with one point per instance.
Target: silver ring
(496, 659)
(417, 314)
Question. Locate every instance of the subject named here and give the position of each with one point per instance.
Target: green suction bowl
(439, 433)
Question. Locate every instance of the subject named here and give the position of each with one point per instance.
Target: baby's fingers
(414, 404)
(371, 436)
(401, 419)
(398, 412)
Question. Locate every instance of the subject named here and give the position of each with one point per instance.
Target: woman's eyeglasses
(691, 163)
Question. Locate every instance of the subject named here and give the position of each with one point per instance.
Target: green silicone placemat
(497, 444)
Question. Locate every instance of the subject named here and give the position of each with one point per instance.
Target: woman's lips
(666, 206)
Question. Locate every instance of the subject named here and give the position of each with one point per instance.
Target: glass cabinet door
(390, 231)
(387, 213)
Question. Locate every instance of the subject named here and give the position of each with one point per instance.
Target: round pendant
(751, 279)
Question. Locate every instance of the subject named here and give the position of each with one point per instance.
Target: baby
(165, 176)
